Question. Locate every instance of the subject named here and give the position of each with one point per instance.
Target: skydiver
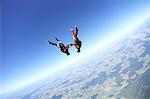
(61, 46)
(77, 42)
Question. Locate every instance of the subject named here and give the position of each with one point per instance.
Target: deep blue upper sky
(28, 24)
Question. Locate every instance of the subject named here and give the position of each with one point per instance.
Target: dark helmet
(65, 50)
(78, 50)
(67, 53)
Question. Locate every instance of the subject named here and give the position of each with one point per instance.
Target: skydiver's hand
(67, 46)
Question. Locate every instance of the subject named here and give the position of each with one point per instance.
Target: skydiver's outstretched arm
(72, 44)
(52, 43)
(73, 33)
(67, 46)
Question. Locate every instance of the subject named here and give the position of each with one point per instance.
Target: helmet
(67, 53)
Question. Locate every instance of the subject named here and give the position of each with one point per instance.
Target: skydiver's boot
(71, 29)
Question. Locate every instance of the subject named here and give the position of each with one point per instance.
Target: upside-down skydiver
(77, 42)
(61, 46)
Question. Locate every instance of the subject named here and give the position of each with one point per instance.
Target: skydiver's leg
(76, 30)
(52, 43)
(59, 43)
(73, 33)
(57, 39)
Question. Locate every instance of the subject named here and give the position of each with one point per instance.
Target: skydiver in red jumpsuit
(77, 43)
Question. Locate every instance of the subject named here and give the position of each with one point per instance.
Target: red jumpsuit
(74, 35)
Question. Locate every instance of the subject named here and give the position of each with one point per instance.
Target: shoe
(71, 29)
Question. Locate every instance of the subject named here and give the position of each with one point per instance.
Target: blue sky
(26, 26)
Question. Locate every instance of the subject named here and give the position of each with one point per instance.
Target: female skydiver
(61, 46)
